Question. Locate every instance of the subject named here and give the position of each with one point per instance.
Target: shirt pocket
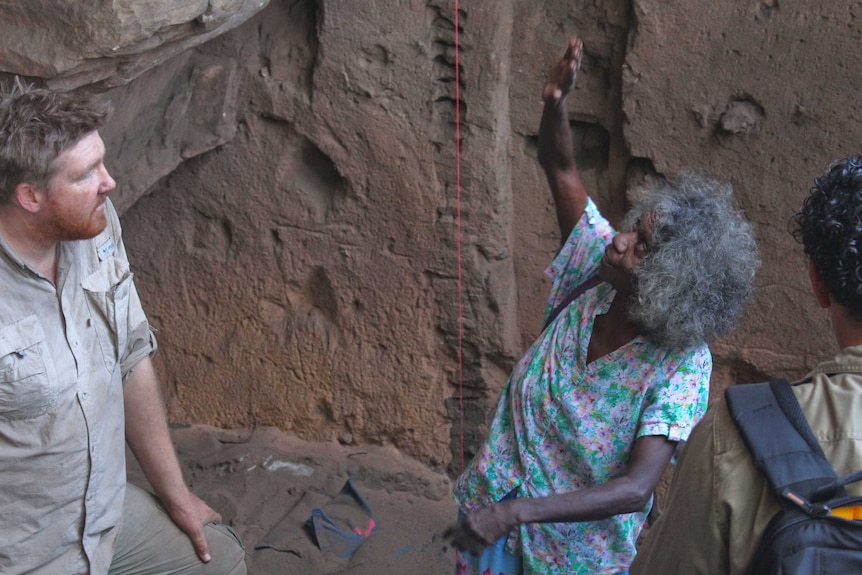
(108, 293)
(26, 389)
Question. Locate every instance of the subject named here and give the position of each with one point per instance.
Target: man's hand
(482, 528)
(562, 78)
(191, 515)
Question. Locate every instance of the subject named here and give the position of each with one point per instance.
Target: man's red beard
(62, 226)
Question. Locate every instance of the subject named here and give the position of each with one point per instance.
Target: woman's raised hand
(562, 78)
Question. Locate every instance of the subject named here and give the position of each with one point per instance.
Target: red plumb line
(458, 188)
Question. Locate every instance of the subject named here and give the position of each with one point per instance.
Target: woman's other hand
(482, 528)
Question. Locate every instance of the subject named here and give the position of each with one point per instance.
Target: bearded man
(76, 378)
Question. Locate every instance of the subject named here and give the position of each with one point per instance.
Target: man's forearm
(148, 436)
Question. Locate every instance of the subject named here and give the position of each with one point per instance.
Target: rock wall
(171, 103)
(101, 44)
(763, 94)
(300, 239)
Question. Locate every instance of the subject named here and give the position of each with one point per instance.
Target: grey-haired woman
(594, 410)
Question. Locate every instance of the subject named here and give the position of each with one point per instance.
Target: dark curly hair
(699, 273)
(829, 226)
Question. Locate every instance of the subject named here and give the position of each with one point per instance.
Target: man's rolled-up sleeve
(140, 340)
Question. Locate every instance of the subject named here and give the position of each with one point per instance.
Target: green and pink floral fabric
(562, 424)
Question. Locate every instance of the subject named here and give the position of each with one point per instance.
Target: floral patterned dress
(562, 424)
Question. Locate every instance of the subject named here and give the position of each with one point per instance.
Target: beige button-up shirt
(64, 351)
(719, 503)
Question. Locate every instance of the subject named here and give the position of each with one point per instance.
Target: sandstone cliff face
(107, 43)
(292, 200)
(171, 103)
(762, 94)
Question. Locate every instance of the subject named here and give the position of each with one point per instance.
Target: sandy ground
(255, 478)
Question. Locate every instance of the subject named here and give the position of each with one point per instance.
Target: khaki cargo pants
(150, 543)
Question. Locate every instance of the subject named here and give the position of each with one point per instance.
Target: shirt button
(85, 396)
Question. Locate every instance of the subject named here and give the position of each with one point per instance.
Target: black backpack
(804, 537)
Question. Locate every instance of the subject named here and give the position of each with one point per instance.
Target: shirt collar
(848, 360)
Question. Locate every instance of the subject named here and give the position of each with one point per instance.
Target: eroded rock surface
(108, 42)
(317, 258)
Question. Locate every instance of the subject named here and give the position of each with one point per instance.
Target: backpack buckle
(812, 509)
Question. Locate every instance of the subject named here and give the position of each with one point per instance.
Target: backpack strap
(781, 442)
(590, 282)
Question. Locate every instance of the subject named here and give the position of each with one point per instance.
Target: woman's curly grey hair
(698, 273)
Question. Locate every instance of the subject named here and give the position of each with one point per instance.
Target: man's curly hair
(829, 226)
(36, 126)
(698, 273)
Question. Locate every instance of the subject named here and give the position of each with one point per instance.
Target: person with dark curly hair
(596, 408)
(719, 503)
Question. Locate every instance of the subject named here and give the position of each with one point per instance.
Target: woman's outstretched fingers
(562, 78)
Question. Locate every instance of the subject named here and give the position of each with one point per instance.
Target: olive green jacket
(719, 503)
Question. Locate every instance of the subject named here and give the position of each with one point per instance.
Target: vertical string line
(458, 225)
